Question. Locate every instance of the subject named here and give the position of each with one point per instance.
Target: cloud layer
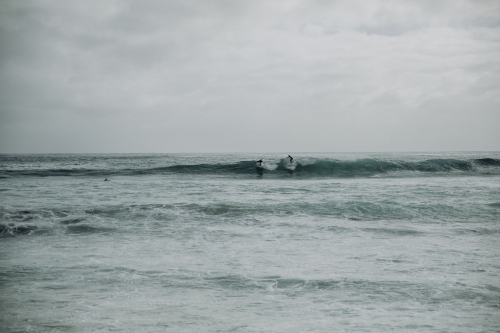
(261, 76)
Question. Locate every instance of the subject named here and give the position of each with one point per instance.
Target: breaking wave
(311, 168)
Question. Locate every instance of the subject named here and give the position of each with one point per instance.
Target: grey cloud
(388, 29)
(245, 75)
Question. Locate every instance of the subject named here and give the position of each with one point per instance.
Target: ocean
(364, 242)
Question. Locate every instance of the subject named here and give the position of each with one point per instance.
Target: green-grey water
(216, 243)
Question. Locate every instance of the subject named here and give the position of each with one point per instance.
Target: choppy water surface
(213, 243)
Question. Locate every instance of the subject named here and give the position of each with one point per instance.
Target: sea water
(216, 243)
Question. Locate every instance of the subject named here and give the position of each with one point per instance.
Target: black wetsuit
(291, 158)
(260, 162)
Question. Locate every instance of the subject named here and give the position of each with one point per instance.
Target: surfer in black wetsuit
(260, 162)
(106, 180)
(291, 158)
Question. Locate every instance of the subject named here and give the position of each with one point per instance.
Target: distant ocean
(402, 242)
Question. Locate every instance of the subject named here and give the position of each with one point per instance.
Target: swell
(72, 218)
(311, 168)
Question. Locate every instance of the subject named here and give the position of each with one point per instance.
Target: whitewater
(361, 242)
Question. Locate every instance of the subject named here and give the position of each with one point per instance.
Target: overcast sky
(249, 76)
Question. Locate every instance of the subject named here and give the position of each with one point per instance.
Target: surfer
(106, 180)
(291, 158)
(260, 162)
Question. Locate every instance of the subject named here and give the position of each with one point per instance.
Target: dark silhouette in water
(291, 158)
(106, 179)
(260, 162)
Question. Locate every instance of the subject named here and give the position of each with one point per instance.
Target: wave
(310, 168)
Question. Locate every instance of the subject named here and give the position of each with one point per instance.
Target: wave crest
(367, 167)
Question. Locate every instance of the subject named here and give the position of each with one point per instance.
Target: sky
(170, 76)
